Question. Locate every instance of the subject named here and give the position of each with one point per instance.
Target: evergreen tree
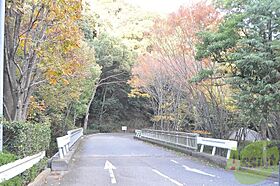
(248, 42)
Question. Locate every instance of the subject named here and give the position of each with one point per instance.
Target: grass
(271, 169)
(245, 177)
(250, 177)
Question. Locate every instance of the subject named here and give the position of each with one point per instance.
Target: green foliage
(234, 154)
(107, 128)
(252, 155)
(30, 174)
(16, 181)
(275, 143)
(24, 138)
(6, 158)
(59, 127)
(27, 176)
(112, 54)
(248, 40)
(111, 103)
(203, 74)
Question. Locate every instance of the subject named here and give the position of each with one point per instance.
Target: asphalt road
(135, 163)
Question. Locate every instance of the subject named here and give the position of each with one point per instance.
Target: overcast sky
(161, 6)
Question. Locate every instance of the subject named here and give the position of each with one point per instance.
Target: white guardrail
(17, 167)
(225, 144)
(65, 143)
(188, 140)
(182, 139)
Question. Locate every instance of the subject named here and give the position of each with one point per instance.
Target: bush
(6, 158)
(275, 143)
(252, 155)
(59, 127)
(234, 154)
(25, 139)
(16, 181)
(30, 174)
(107, 128)
(91, 131)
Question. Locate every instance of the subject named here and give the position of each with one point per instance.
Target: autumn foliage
(166, 71)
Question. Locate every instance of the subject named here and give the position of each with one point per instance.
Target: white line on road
(174, 161)
(197, 171)
(170, 179)
(109, 166)
(194, 170)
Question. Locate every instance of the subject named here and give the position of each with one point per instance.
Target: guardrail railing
(17, 167)
(74, 135)
(188, 140)
(225, 144)
(65, 143)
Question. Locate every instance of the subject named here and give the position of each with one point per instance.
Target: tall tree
(166, 73)
(248, 42)
(38, 45)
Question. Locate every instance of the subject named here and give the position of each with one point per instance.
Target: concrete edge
(261, 173)
(58, 164)
(41, 178)
(216, 160)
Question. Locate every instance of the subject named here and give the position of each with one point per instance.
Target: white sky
(161, 6)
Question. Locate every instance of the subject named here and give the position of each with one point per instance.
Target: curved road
(135, 163)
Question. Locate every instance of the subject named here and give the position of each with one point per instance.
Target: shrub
(91, 131)
(234, 154)
(6, 158)
(252, 155)
(30, 174)
(16, 181)
(275, 143)
(106, 128)
(25, 139)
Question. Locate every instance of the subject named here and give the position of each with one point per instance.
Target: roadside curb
(62, 164)
(41, 178)
(258, 172)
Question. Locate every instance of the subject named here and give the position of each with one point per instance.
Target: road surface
(120, 160)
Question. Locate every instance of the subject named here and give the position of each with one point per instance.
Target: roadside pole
(2, 31)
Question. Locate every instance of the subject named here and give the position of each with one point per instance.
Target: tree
(248, 42)
(166, 73)
(32, 30)
(115, 29)
(115, 60)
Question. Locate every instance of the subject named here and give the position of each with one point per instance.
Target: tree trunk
(88, 107)
(102, 106)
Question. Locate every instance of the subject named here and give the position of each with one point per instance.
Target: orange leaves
(173, 42)
(35, 107)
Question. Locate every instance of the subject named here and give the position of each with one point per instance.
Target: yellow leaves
(65, 81)
(137, 93)
(163, 117)
(35, 107)
(201, 131)
(53, 81)
(51, 73)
